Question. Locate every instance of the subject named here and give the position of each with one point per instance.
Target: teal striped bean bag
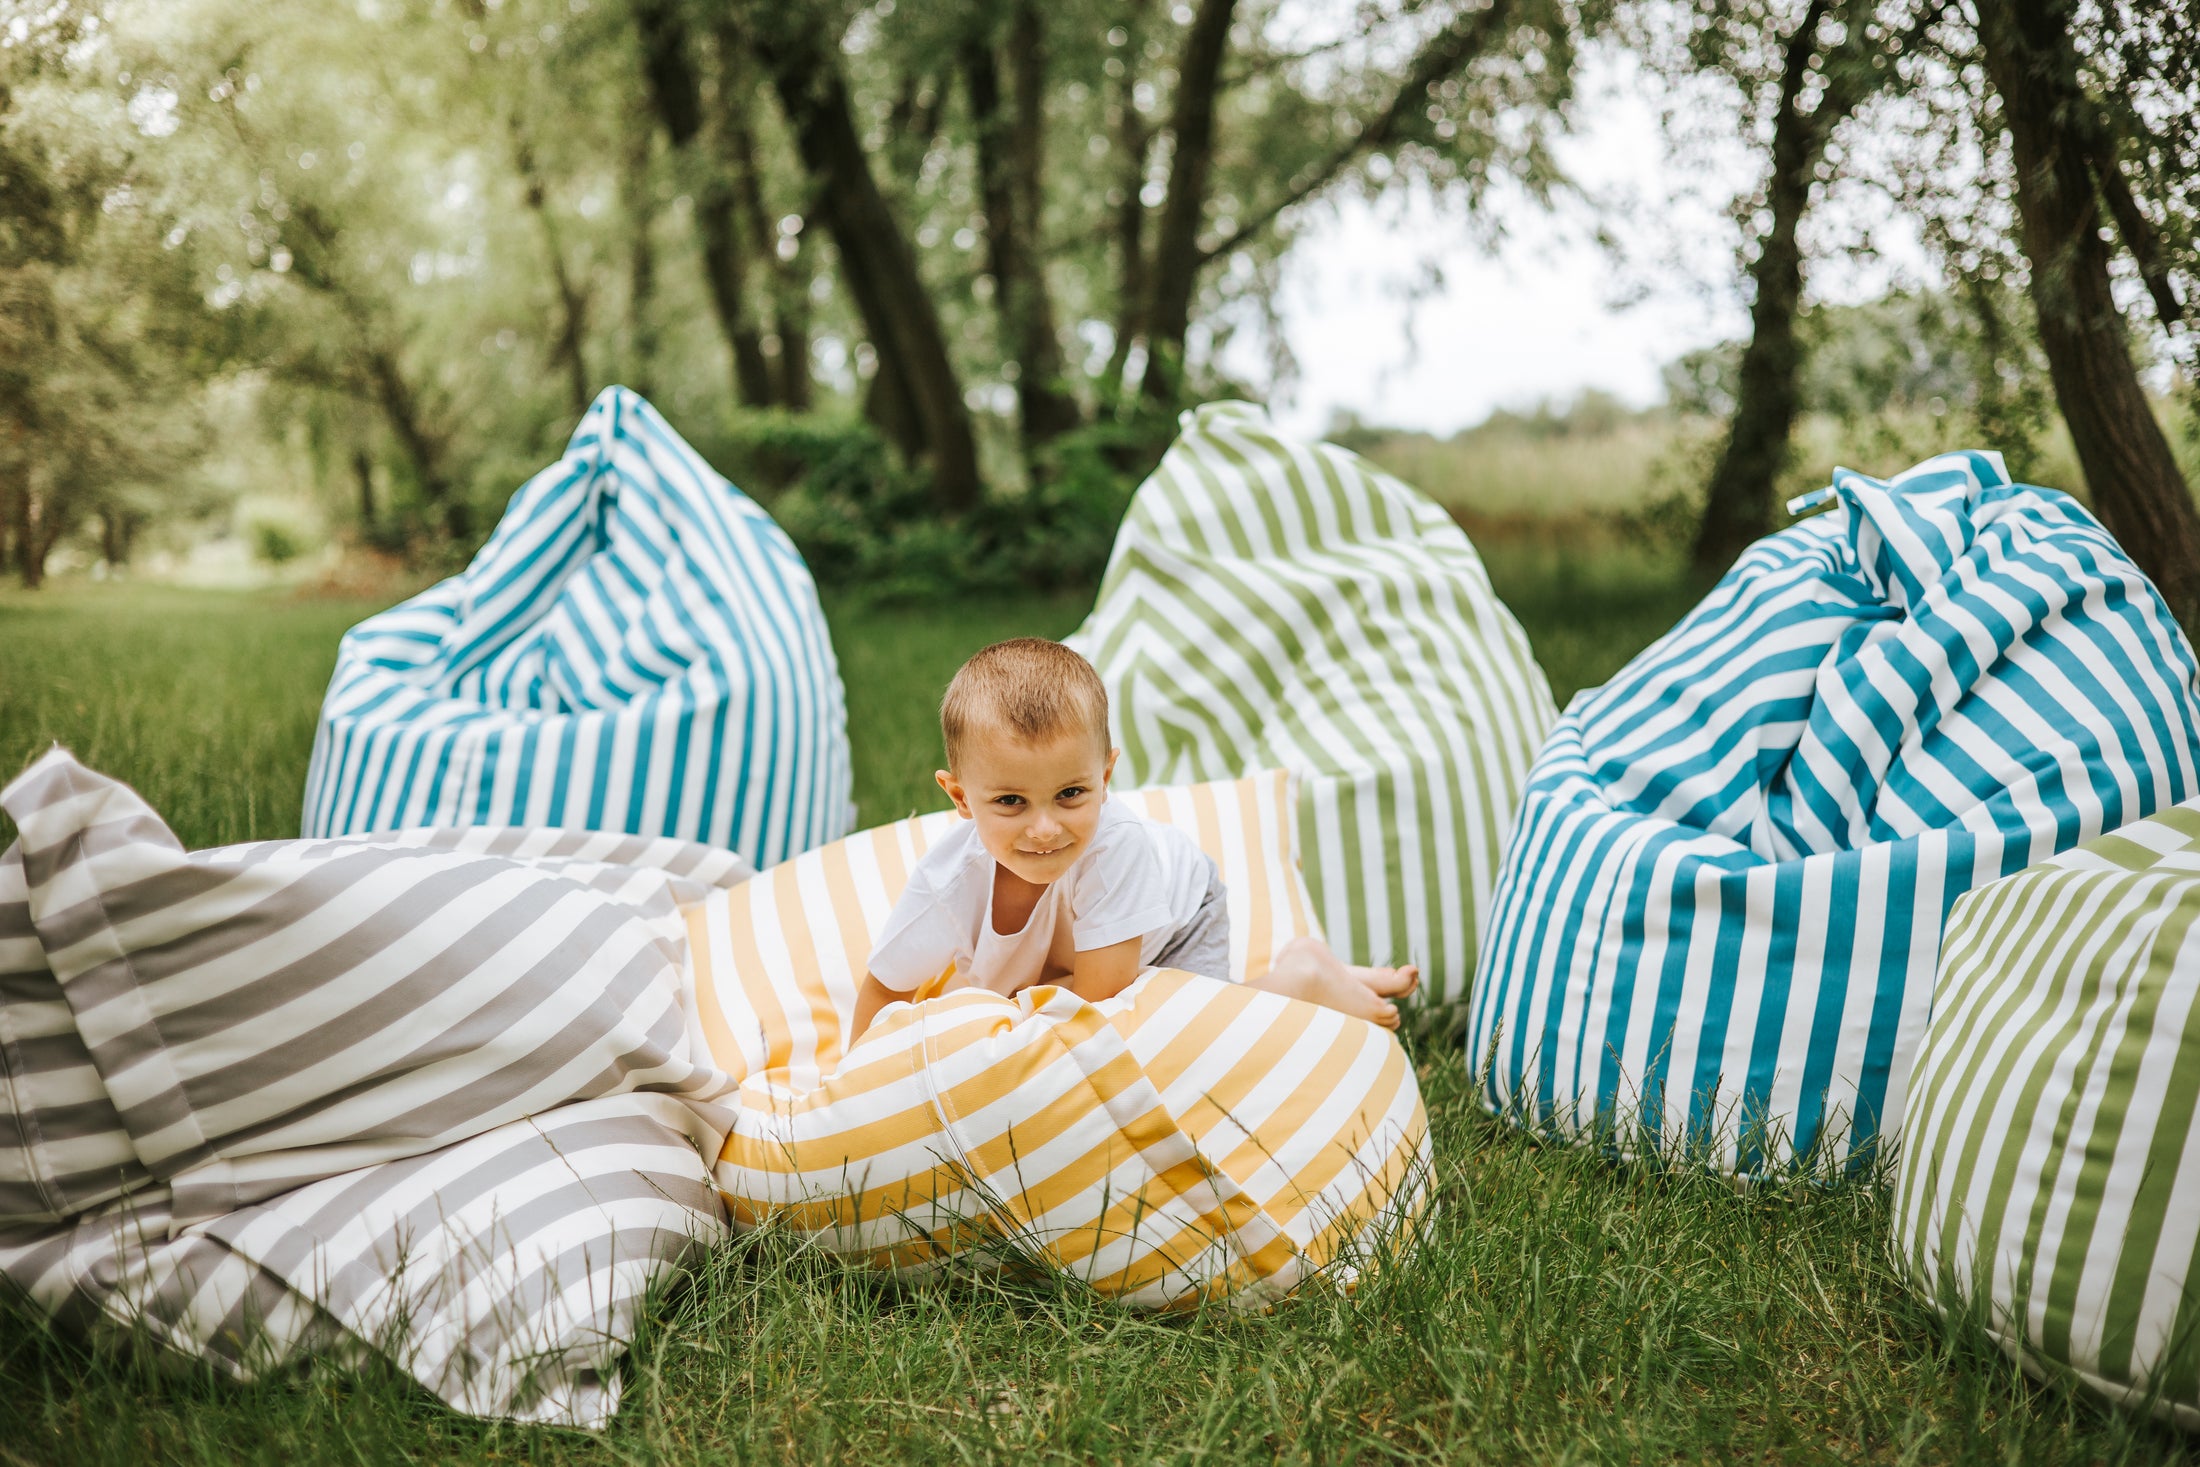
(2050, 1173)
(1271, 603)
(1718, 922)
(638, 648)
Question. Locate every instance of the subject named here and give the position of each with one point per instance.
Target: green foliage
(867, 526)
(1593, 413)
(772, 451)
(1965, 357)
(102, 338)
(2143, 72)
(425, 231)
(275, 543)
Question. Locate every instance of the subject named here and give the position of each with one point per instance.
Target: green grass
(1558, 1308)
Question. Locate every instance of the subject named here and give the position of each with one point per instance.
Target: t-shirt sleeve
(920, 938)
(1122, 892)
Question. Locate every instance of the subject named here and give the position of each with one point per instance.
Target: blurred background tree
(934, 280)
(1801, 75)
(104, 336)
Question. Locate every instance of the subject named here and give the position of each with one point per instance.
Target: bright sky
(1550, 312)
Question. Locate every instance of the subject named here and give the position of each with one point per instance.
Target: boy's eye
(1008, 799)
(1071, 793)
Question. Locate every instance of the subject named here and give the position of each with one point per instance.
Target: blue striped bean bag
(638, 648)
(1716, 929)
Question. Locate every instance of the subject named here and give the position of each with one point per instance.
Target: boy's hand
(871, 996)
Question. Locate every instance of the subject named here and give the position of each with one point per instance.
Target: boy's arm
(870, 998)
(1103, 972)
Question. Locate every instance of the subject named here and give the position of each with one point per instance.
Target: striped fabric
(436, 1094)
(1189, 1139)
(63, 1149)
(2051, 1154)
(1272, 603)
(1719, 917)
(638, 648)
(504, 1273)
(265, 1019)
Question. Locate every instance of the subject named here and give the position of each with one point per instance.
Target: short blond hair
(1027, 688)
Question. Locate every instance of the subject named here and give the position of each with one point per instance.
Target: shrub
(275, 543)
(869, 526)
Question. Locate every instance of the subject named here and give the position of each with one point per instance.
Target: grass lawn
(1559, 1309)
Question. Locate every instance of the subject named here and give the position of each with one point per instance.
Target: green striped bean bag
(2051, 1158)
(1271, 603)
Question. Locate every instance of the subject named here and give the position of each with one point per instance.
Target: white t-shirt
(1135, 879)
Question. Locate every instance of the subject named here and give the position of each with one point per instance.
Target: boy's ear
(952, 788)
(1109, 772)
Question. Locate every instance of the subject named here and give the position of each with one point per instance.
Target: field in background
(1559, 1308)
(1549, 476)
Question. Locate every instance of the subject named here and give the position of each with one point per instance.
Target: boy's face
(1036, 804)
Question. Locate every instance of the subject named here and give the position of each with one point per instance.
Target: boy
(1048, 881)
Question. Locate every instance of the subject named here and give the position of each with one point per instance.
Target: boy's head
(1025, 691)
(1026, 727)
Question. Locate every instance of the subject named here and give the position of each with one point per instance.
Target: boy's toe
(1393, 982)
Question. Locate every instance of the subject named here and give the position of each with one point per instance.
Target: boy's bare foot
(1388, 982)
(1305, 968)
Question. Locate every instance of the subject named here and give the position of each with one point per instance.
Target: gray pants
(1203, 945)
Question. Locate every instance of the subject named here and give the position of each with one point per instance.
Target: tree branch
(1453, 47)
(2132, 226)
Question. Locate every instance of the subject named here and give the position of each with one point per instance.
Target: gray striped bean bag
(238, 1087)
(1271, 603)
(504, 1273)
(638, 648)
(2050, 1173)
(1718, 923)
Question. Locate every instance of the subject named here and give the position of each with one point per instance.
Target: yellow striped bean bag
(1189, 1139)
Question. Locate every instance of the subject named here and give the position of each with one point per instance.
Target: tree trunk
(791, 320)
(1133, 144)
(2132, 226)
(1738, 504)
(728, 275)
(383, 380)
(677, 96)
(362, 465)
(2137, 489)
(875, 258)
(788, 360)
(889, 406)
(1176, 247)
(1010, 160)
(423, 447)
(28, 532)
(572, 323)
(912, 125)
(17, 533)
(641, 263)
(52, 525)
